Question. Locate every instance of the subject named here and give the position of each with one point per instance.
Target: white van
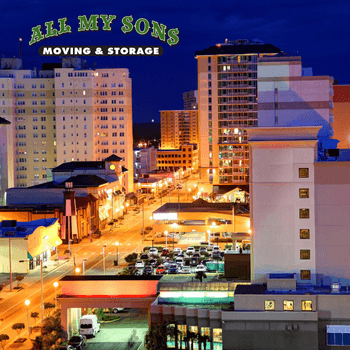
(89, 325)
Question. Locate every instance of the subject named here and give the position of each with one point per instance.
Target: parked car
(203, 250)
(144, 256)
(200, 267)
(148, 270)
(190, 250)
(177, 251)
(173, 268)
(153, 262)
(165, 252)
(216, 255)
(196, 255)
(216, 248)
(140, 264)
(161, 269)
(117, 309)
(194, 262)
(153, 252)
(185, 269)
(179, 261)
(89, 325)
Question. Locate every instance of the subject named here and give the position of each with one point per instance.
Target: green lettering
(107, 22)
(64, 28)
(84, 24)
(138, 26)
(159, 31)
(173, 36)
(128, 27)
(37, 35)
(49, 31)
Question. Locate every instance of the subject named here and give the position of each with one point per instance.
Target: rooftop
(238, 49)
(3, 121)
(300, 290)
(110, 278)
(23, 229)
(198, 205)
(84, 181)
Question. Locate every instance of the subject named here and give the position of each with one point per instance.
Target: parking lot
(128, 333)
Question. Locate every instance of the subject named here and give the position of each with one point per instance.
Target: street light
(166, 239)
(104, 262)
(84, 261)
(208, 238)
(55, 285)
(27, 302)
(116, 261)
(77, 270)
(57, 242)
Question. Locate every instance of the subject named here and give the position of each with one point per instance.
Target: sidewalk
(29, 278)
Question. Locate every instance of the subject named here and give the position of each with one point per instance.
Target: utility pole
(143, 221)
(10, 264)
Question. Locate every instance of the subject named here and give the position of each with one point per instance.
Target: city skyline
(294, 29)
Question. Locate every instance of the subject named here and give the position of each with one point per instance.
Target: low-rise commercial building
(24, 244)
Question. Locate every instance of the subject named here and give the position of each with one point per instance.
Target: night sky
(317, 30)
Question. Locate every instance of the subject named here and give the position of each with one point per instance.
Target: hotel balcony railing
(233, 70)
(237, 102)
(236, 78)
(237, 94)
(236, 86)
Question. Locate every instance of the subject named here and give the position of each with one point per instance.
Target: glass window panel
(288, 305)
(303, 193)
(338, 339)
(304, 233)
(330, 338)
(303, 172)
(305, 254)
(217, 335)
(306, 305)
(269, 305)
(305, 274)
(304, 213)
(346, 339)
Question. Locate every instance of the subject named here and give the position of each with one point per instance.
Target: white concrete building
(145, 160)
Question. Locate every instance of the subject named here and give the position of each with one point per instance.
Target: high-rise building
(190, 100)
(178, 128)
(243, 84)
(5, 180)
(342, 115)
(64, 113)
(94, 115)
(227, 95)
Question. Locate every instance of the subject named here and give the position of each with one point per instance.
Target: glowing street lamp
(27, 302)
(104, 261)
(55, 285)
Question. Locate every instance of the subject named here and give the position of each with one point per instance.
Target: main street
(128, 235)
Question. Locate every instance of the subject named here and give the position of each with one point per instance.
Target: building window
(288, 305)
(306, 305)
(304, 213)
(305, 274)
(217, 335)
(269, 305)
(304, 233)
(303, 193)
(305, 254)
(303, 172)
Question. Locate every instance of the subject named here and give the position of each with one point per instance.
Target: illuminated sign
(165, 216)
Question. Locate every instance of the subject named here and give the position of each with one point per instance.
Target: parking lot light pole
(104, 261)
(117, 254)
(55, 285)
(57, 242)
(84, 266)
(166, 239)
(27, 302)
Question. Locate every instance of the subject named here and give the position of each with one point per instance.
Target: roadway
(13, 309)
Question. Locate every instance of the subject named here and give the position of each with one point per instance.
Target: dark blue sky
(318, 30)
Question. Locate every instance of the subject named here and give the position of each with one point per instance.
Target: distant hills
(146, 131)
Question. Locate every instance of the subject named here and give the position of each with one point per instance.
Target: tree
(48, 307)
(128, 271)
(200, 275)
(156, 337)
(34, 315)
(19, 279)
(131, 257)
(3, 340)
(51, 330)
(18, 327)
